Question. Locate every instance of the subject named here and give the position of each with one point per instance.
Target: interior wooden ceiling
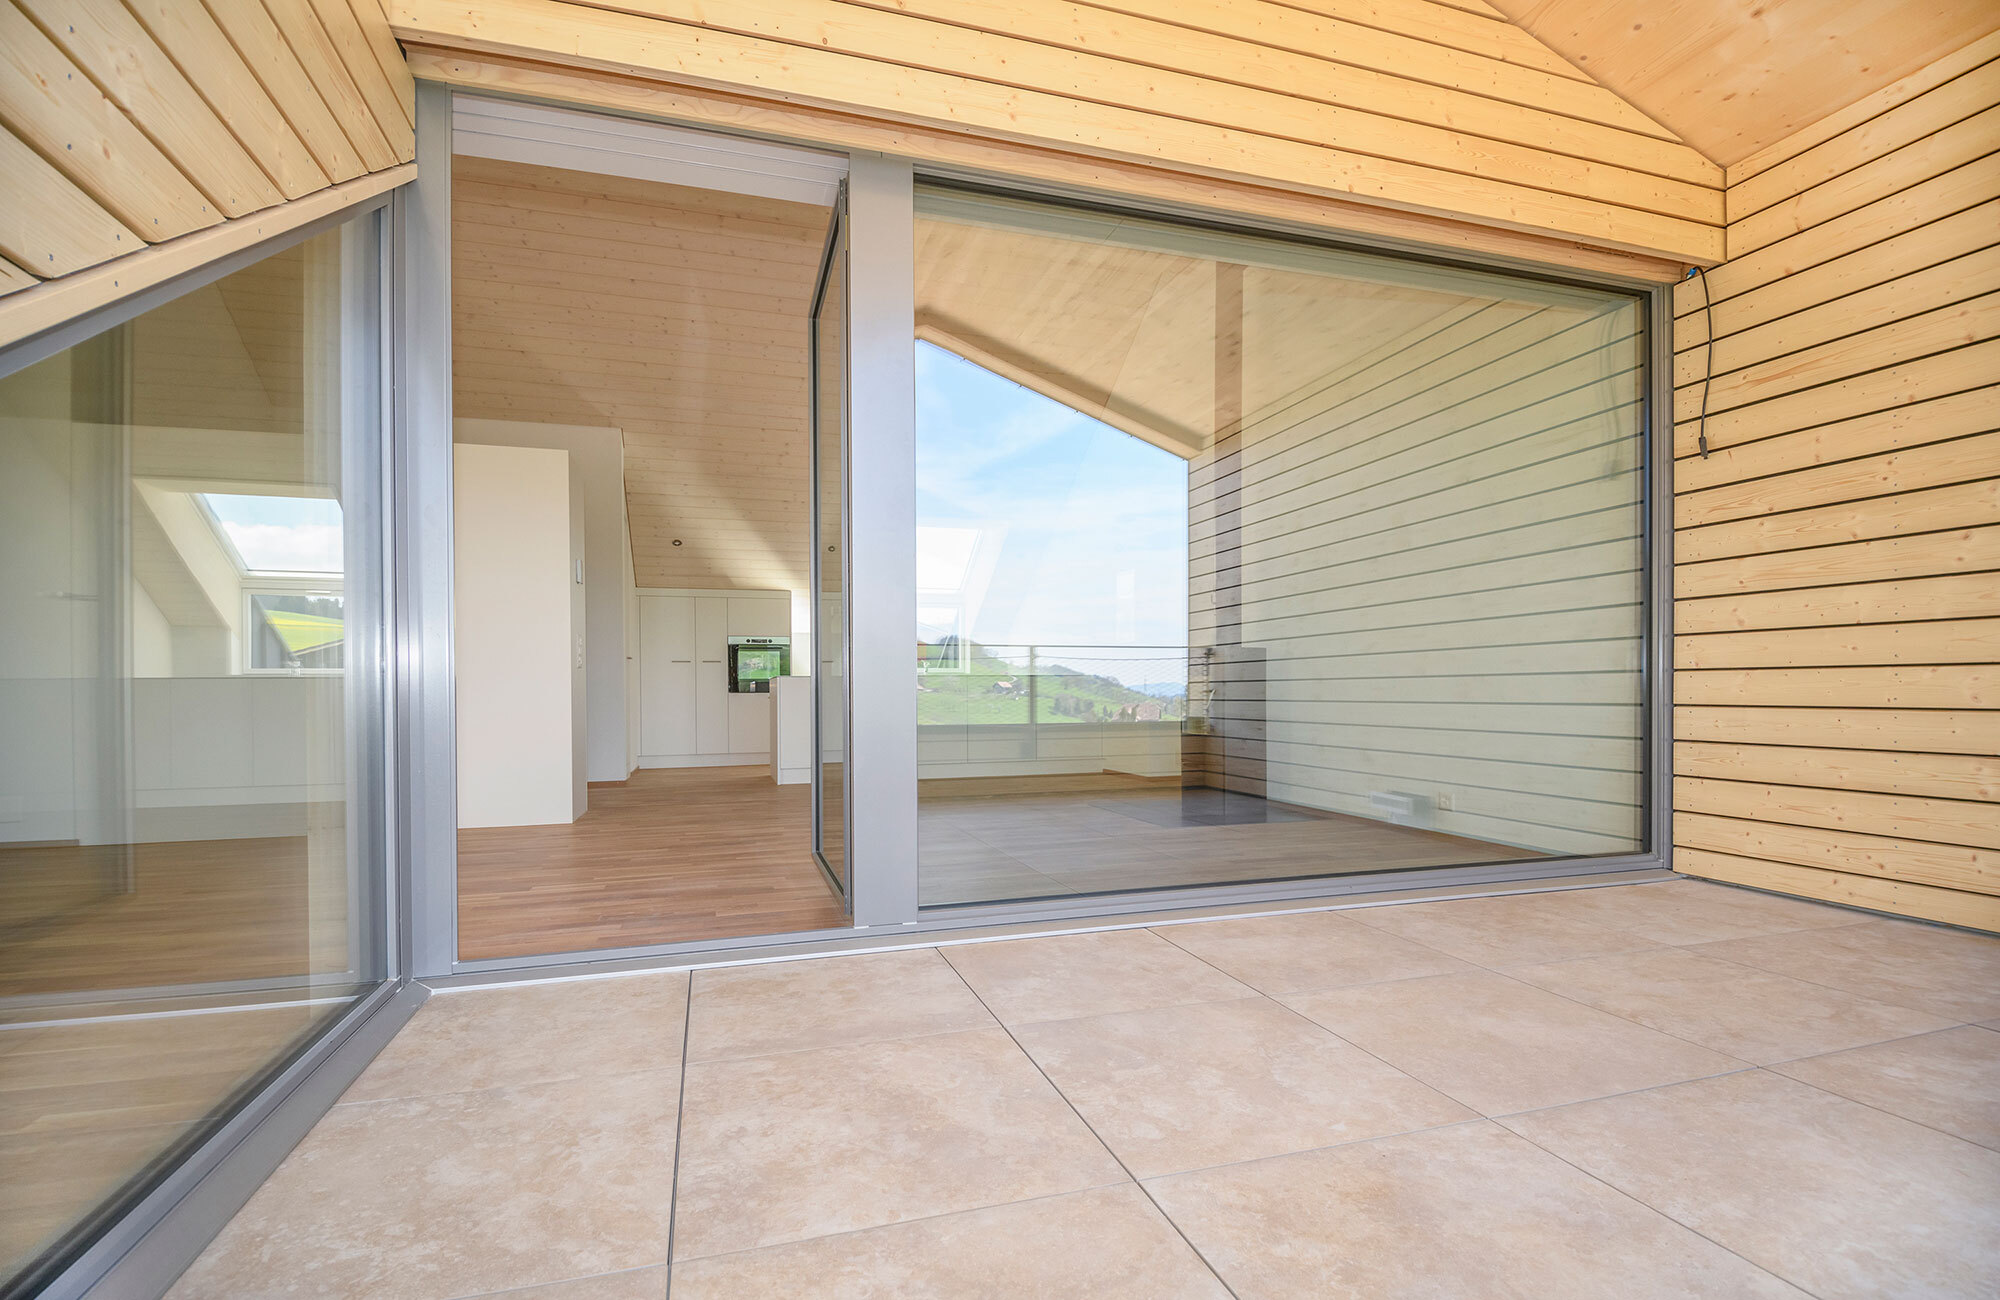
(1731, 77)
(676, 315)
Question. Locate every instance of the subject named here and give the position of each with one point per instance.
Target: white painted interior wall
(514, 637)
(597, 459)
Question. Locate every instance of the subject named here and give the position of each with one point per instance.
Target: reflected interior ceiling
(1175, 347)
(678, 316)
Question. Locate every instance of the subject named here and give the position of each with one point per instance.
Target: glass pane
(1245, 560)
(190, 626)
(829, 398)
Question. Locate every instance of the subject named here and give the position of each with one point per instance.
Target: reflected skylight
(280, 534)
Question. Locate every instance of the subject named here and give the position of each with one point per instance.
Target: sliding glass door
(1241, 559)
(828, 397)
(192, 636)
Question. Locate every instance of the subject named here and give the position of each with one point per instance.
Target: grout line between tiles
(561, 1281)
(1825, 929)
(895, 1223)
(1879, 1109)
(550, 1081)
(680, 1122)
(1648, 1205)
(1144, 1191)
(1745, 1065)
(1507, 973)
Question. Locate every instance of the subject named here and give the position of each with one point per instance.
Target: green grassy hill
(996, 691)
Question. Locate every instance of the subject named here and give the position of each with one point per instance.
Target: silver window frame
(151, 1239)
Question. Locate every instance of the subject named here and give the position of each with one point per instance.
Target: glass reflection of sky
(1094, 521)
(280, 534)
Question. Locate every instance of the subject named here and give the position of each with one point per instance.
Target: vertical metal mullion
(881, 777)
(428, 730)
(1658, 680)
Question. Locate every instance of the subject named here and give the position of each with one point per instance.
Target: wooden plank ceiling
(1731, 77)
(677, 315)
(125, 123)
(1404, 104)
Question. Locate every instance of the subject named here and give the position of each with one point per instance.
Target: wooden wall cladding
(1412, 105)
(1837, 551)
(128, 123)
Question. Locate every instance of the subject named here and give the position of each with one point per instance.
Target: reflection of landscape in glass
(298, 631)
(968, 684)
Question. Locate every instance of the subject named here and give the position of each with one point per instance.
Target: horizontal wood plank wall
(1408, 104)
(1425, 577)
(126, 124)
(1837, 573)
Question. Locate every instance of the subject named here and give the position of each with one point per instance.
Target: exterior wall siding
(1836, 546)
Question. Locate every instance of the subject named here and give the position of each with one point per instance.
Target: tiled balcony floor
(1673, 1089)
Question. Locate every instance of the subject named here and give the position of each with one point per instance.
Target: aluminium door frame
(832, 263)
(879, 599)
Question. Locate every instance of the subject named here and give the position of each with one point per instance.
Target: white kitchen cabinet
(686, 714)
(750, 724)
(711, 675)
(666, 645)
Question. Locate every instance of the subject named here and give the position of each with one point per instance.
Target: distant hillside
(996, 690)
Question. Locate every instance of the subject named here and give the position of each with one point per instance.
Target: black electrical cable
(1708, 369)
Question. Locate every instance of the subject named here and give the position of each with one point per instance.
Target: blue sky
(1090, 522)
(281, 534)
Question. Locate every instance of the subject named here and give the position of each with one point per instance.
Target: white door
(711, 680)
(666, 675)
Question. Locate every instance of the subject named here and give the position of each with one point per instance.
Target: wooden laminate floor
(683, 854)
(672, 855)
(100, 918)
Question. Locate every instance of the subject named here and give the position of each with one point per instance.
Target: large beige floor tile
(790, 1006)
(1179, 1088)
(1024, 980)
(1838, 1197)
(1448, 1214)
(1745, 1012)
(802, 1144)
(1696, 911)
(1106, 1244)
(1509, 930)
(1500, 1046)
(1946, 972)
(531, 1033)
(458, 1194)
(1307, 950)
(1948, 1080)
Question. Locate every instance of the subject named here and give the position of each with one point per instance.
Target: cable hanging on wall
(1708, 359)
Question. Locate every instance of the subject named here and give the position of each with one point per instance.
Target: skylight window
(279, 534)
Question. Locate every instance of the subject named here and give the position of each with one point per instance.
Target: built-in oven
(755, 661)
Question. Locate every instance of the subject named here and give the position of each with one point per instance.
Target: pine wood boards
(128, 123)
(1404, 111)
(1838, 552)
(1738, 80)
